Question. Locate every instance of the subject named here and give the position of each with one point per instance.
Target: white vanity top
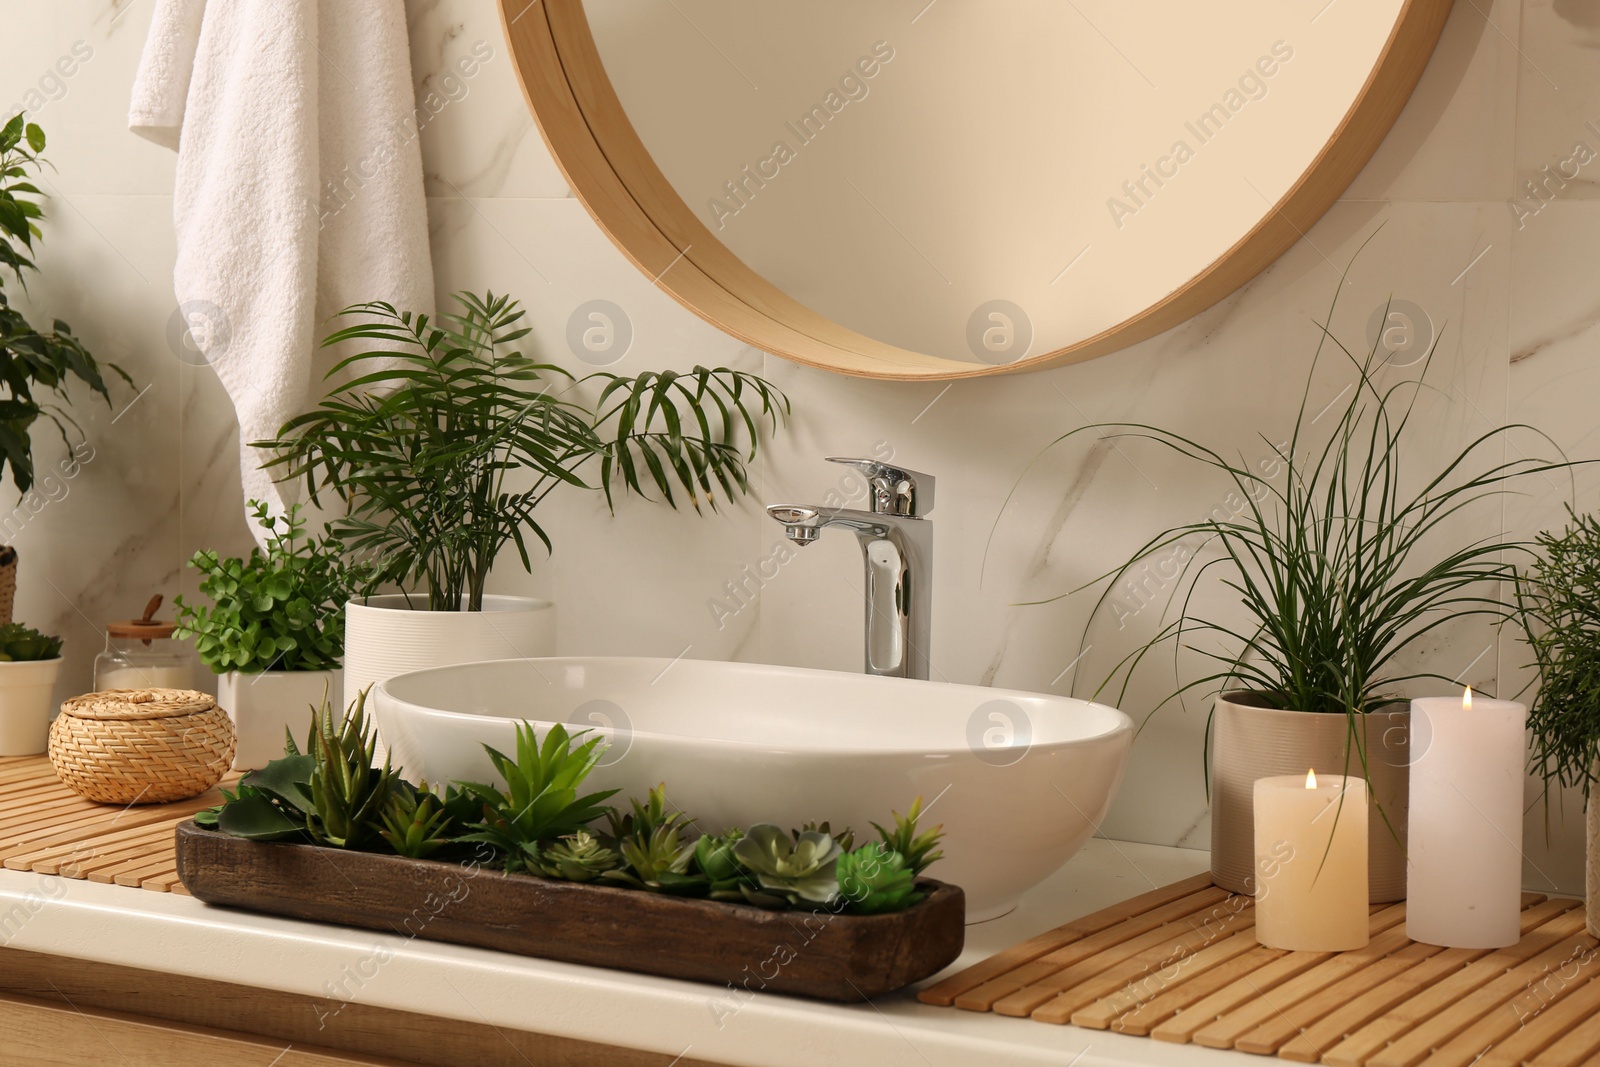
(178, 934)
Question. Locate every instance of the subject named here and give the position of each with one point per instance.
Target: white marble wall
(1507, 278)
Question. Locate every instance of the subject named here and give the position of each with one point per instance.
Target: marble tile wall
(1470, 226)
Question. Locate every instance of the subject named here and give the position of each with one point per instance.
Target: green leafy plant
(1558, 607)
(19, 643)
(281, 608)
(36, 368)
(540, 802)
(789, 870)
(876, 879)
(917, 849)
(439, 474)
(1339, 565)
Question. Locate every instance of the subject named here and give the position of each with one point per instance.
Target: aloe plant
(331, 794)
(540, 802)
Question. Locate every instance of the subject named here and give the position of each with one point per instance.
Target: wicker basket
(141, 746)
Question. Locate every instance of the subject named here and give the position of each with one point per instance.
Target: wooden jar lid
(126, 704)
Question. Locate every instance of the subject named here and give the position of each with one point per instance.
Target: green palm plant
(448, 437)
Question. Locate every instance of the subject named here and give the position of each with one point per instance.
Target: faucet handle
(895, 490)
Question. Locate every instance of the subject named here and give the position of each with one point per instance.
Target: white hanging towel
(299, 187)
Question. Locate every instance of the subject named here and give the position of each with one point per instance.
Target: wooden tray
(1181, 964)
(813, 954)
(48, 829)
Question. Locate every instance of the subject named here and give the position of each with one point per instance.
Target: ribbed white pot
(25, 691)
(384, 637)
(265, 704)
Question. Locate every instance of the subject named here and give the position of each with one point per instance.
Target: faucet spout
(802, 525)
(897, 557)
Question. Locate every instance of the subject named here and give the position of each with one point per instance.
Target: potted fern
(443, 472)
(1558, 607)
(1339, 567)
(274, 633)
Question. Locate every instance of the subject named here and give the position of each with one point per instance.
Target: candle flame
(1466, 699)
(1311, 779)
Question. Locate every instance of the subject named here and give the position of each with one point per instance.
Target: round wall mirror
(928, 189)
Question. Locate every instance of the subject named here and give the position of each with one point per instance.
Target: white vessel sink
(1019, 780)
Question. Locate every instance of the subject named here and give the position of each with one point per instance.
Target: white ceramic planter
(1250, 741)
(25, 703)
(384, 637)
(264, 704)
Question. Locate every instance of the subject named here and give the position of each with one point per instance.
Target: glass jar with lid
(143, 654)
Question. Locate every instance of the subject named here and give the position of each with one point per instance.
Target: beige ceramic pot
(1250, 741)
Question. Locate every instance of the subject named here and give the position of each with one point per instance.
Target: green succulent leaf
(287, 779)
(259, 819)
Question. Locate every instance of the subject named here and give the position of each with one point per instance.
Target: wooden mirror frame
(612, 173)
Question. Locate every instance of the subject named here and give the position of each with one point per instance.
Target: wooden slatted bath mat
(1181, 964)
(46, 827)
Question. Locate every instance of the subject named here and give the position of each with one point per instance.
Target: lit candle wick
(1311, 779)
(1466, 699)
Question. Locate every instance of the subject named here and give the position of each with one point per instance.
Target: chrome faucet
(897, 550)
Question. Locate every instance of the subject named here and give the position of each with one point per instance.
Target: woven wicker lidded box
(141, 746)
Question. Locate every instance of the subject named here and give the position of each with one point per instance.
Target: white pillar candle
(1464, 875)
(1311, 862)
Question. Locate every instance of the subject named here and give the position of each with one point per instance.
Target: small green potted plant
(274, 633)
(1558, 607)
(29, 662)
(443, 472)
(1333, 566)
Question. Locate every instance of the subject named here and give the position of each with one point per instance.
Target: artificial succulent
(714, 858)
(540, 801)
(348, 792)
(846, 837)
(332, 794)
(655, 856)
(876, 879)
(578, 857)
(917, 849)
(788, 870)
(19, 643)
(415, 822)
